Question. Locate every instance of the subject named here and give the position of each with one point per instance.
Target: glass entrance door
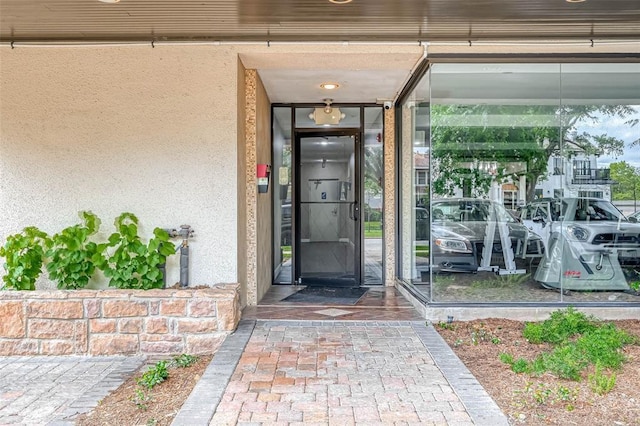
(327, 209)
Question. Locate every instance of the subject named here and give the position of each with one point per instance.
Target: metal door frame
(358, 189)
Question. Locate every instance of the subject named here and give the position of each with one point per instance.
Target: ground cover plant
(569, 369)
(152, 396)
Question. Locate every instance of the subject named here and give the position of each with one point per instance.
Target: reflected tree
(462, 135)
(627, 180)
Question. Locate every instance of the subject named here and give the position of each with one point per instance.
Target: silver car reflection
(463, 227)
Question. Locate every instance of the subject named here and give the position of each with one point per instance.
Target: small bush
(184, 360)
(600, 382)
(579, 341)
(561, 325)
(71, 256)
(154, 375)
(131, 263)
(24, 254)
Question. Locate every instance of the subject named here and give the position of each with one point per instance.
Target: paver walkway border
(205, 397)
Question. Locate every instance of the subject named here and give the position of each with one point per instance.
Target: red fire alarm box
(262, 174)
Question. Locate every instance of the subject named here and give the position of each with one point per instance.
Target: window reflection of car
(587, 240)
(462, 226)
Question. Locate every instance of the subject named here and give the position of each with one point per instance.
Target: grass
(373, 229)
(502, 281)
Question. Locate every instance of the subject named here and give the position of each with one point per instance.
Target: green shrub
(183, 360)
(154, 375)
(132, 264)
(560, 326)
(24, 254)
(602, 345)
(601, 383)
(579, 341)
(71, 256)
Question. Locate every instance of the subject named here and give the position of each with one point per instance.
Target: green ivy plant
(128, 262)
(71, 256)
(24, 254)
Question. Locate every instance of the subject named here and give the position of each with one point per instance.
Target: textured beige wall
(243, 223)
(148, 130)
(389, 197)
(257, 150)
(251, 191)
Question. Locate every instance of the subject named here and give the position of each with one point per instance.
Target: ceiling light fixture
(109, 1)
(329, 86)
(327, 115)
(575, 1)
(340, 1)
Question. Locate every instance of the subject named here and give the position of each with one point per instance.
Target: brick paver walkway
(338, 373)
(53, 390)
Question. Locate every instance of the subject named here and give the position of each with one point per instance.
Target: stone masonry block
(173, 308)
(154, 307)
(92, 308)
(56, 347)
(81, 337)
(130, 325)
(156, 325)
(202, 308)
(104, 344)
(228, 314)
(50, 329)
(197, 325)
(13, 322)
(60, 309)
(18, 347)
(162, 347)
(100, 325)
(160, 338)
(204, 344)
(123, 308)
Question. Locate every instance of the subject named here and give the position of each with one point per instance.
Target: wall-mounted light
(327, 115)
(329, 86)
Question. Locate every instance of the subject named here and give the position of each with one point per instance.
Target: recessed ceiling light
(340, 1)
(575, 1)
(109, 1)
(329, 86)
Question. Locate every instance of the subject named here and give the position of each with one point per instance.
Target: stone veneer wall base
(117, 322)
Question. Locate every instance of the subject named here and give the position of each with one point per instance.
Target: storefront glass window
(533, 170)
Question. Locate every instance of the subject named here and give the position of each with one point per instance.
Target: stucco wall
(110, 129)
(243, 224)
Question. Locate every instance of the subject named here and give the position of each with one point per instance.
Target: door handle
(353, 210)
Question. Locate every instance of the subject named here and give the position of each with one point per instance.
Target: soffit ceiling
(315, 20)
(289, 76)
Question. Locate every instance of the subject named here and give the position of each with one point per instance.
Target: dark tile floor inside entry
(378, 303)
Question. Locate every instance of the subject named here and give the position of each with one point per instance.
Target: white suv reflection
(587, 240)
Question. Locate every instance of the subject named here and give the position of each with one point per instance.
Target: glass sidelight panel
(327, 211)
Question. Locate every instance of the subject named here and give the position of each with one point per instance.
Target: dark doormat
(327, 295)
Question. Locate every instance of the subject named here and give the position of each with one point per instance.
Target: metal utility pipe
(185, 232)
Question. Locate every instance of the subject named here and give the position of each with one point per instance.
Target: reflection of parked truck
(588, 243)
